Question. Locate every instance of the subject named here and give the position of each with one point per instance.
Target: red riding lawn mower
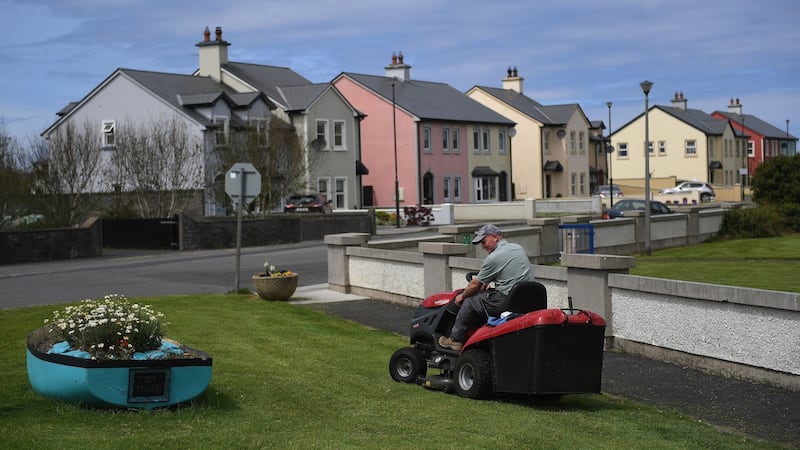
(524, 348)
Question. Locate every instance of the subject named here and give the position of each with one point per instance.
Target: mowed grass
(767, 263)
(288, 376)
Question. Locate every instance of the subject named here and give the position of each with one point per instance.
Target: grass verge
(287, 376)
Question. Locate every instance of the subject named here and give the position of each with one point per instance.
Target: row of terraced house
(382, 139)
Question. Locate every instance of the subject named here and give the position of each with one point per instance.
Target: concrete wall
(748, 333)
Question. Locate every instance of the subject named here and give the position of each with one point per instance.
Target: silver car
(705, 189)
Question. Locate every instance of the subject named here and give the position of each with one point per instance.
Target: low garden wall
(51, 244)
(748, 333)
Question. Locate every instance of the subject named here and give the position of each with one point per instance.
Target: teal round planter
(140, 384)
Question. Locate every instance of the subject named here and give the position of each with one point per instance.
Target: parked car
(631, 204)
(308, 203)
(705, 189)
(605, 191)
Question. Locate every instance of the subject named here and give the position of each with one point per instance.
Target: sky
(568, 51)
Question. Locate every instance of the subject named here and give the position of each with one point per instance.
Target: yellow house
(553, 148)
(685, 145)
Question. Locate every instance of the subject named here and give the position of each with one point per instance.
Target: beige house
(552, 148)
(685, 145)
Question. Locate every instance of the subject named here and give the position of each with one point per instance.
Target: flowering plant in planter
(108, 328)
(272, 272)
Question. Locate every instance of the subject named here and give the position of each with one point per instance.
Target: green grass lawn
(767, 263)
(288, 376)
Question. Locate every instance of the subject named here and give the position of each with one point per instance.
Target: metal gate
(577, 238)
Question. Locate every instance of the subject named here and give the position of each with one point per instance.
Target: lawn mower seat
(525, 297)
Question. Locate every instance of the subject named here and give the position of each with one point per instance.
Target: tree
(69, 171)
(776, 182)
(14, 181)
(273, 147)
(156, 161)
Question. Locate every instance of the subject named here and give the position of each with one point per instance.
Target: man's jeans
(472, 313)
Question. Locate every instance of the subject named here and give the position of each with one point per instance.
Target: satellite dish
(561, 133)
(512, 132)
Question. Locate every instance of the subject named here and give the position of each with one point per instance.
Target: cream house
(551, 146)
(685, 144)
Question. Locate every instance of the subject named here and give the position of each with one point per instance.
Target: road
(146, 273)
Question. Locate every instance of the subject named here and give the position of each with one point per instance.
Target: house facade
(436, 144)
(554, 148)
(764, 140)
(327, 125)
(686, 144)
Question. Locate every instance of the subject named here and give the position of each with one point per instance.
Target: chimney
(213, 54)
(678, 101)
(735, 108)
(513, 81)
(398, 69)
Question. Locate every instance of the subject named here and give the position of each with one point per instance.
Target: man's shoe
(446, 342)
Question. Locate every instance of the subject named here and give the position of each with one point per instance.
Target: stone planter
(275, 288)
(141, 384)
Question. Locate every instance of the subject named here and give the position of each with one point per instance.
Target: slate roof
(267, 79)
(300, 98)
(757, 125)
(430, 100)
(552, 115)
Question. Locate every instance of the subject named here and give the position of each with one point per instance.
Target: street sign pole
(239, 231)
(243, 185)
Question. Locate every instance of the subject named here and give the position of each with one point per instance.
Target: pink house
(448, 148)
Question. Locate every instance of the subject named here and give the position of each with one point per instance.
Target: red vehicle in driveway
(308, 203)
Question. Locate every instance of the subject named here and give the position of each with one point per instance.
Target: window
(485, 189)
(572, 141)
(323, 187)
(446, 189)
(322, 135)
(580, 141)
(220, 131)
(426, 139)
(445, 140)
(582, 185)
(650, 147)
(456, 140)
(260, 128)
(691, 147)
(622, 150)
(338, 135)
(662, 148)
(546, 142)
(109, 133)
(501, 141)
(341, 192)
(573, 183)
(485, 135)
(750, 151)
(476, 140)
(456, 188)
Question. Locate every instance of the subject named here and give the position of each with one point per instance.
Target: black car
(308, 203)
(631, 204)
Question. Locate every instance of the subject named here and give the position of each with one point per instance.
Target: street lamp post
(787, 136)
(396, 182)
(609, 149)
(646, 86)
(743, 174)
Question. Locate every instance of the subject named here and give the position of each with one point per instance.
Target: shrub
(763, 221)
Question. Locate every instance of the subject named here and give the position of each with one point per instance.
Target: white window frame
(445, 140)
(485, 189)
(339, 135)
(572, 141)
(581, 136)
(109, 131)
(622, 150)
(573, 181)
(691, 147)
(662, 148)
(476, 140)
(501, 141)
(426, 140)
(546, 141)
(650, 148)
(340, 194)
(446, 188)
(323, 187)
(324, 133)
(221, 133)
(751, 149)
(456, 188)
(486, 141)
(456, 135)
(261, 129)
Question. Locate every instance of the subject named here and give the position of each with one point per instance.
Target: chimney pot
(207, 37)
(508, 72)
(218, 33)
(400, 57)
(515, 73)
(737, 100)
(394, 58)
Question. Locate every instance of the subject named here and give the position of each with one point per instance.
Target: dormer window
(220, 131)
(109, 133)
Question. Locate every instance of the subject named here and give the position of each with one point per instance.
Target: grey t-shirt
(507, 265)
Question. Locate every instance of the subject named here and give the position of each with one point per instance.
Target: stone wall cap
(443, 248)
(347, 238)
(597, 262)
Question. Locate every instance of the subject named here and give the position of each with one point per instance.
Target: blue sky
(568, 51)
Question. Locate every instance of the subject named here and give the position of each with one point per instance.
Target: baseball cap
(484, 231)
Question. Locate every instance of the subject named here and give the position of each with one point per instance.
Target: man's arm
(472, 288)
